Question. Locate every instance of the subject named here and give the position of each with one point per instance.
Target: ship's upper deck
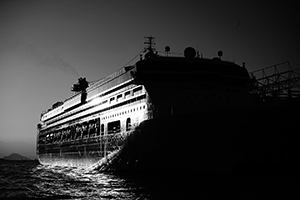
(94, 89)
(180, 69)
(155, 68)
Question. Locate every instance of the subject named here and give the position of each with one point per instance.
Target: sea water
(31, 180)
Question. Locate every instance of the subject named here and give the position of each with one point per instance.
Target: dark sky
(45, 44)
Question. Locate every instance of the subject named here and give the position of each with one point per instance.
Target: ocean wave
(31, 180)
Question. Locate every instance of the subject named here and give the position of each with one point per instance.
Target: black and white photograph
(139, 99)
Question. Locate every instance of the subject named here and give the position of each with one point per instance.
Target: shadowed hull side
(184, 142)
(191, 141)
(212, 141)
(209, 142)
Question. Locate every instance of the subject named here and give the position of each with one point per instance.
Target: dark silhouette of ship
(163, 112)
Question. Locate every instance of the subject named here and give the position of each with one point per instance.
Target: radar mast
(149, 49)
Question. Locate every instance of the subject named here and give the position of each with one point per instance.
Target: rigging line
(133, 58)
(122, 66)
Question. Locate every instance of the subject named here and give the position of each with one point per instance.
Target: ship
(163, 112)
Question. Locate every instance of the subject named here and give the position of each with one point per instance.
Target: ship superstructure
(94, 124)
(81, 131)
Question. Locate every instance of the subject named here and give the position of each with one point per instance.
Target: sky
(46, 45)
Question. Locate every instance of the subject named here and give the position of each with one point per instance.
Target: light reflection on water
(66, 182)
(29, 180)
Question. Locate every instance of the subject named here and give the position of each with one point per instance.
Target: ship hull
(219, 141)
(202, 142)
(211, 142)
(205, 141)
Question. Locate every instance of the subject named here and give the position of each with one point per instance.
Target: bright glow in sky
(44, 44)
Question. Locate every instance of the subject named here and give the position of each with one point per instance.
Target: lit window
(102, 129)
(127, 94)
(137, 91)
(112, 100)
(114, 127)
(119, 97)
(128, 124)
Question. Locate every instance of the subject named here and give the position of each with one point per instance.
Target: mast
(150, 43)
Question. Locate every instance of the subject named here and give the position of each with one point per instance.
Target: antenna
(150, 42)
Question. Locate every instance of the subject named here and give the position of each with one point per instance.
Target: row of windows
(87, 129)
(73, 132)
(127, 94)
(105, 109)
(124, 112)
(111, 107)
(90, 129)
(115, 126)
